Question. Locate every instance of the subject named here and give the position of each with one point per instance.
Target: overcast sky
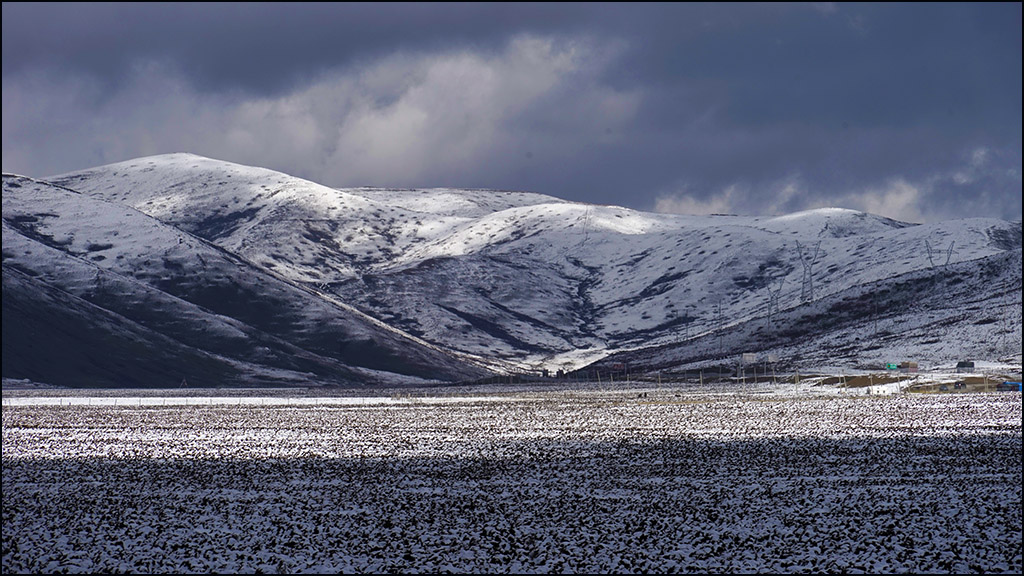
(908, 111)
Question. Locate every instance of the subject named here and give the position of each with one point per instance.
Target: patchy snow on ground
(666, 479)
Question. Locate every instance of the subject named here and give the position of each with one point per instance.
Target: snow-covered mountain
(441, 283)
(96, 292)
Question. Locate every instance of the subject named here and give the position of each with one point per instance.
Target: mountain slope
(939, 317)
(52, 336)
(522, 281)
(178, 285)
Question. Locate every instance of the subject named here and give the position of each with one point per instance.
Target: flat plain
(586, 481)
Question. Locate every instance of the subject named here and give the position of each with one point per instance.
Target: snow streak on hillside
(515, 280)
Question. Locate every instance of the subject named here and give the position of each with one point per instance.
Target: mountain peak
(833, 222)
(454, 279)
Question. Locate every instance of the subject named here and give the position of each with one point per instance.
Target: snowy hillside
(515, 280)
(189, 298)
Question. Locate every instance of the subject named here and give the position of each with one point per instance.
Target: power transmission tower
(808, 260)
(773, 301)
(586, 226)
(689, 316)
(720, 323)
(1011, 318)
(932, 251)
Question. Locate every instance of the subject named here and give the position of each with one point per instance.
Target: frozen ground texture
(663, 480)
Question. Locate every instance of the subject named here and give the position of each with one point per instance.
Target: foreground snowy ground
(589, 481)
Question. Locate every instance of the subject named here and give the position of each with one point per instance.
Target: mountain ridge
(484, 281)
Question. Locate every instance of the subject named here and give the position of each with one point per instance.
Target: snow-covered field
(659, 480)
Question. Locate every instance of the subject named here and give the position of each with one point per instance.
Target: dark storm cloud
(752, 108)
(263, 48)
(842, 99)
